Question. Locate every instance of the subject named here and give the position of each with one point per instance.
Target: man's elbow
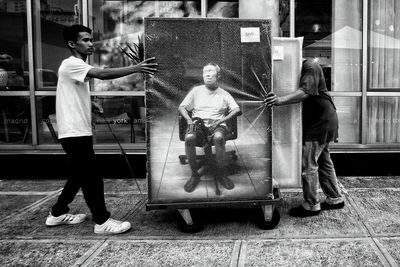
(237, 112)
(182, 109)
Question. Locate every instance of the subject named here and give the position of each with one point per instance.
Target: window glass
(118, 25)
(222, 9)
(15, 123)
(284, 18)
(14, 72)
(332, 33)
(46, 119)
(51, 17)
(126, 117)
(384, 45)
(178, 9)
(348, 111)
(383, 120)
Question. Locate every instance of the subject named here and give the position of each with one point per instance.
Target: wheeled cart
(189, 220)
(242, 50)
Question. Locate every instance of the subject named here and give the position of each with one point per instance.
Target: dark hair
(215, 65)
(71, 33)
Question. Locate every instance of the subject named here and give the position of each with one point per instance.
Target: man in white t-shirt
(73, 111)
(210, 107)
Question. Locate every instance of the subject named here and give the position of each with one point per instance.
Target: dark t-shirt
(320, 121)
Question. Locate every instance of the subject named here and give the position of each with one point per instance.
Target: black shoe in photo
(226, 182)
(301, 212)
(190, 185)
(326, 206)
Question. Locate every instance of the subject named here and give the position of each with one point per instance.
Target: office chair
(208, 158)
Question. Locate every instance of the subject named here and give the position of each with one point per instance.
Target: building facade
(356, 42)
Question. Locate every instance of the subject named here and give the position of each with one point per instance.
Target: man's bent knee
(219, 139)
(190, 139)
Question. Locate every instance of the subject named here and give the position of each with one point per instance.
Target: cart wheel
(182, 159)
(188, 222)
(270, 212)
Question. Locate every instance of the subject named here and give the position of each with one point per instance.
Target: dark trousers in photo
(81, 159)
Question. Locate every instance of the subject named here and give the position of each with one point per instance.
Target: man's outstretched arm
(146, 66)
(295, 97)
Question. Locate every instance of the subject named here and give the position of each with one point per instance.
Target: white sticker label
(277, 53)
(250, 35)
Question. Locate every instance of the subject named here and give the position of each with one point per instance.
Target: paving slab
(125, 186)
(354, 252)
(32, 222)
(333, 223)
(165, 253)
(42, 253)
(392, 246)
(220, 223)
(12, 203)
(380, 209)
(30, 185)
(350, 182)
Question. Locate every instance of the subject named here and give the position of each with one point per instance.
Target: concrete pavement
(365, 233)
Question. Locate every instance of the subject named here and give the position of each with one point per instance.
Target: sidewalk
(365, 233)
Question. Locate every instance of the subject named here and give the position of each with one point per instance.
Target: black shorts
(203, 134)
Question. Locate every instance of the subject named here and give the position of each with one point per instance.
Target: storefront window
(222, 9)
(15, 122)
(46, 119)
(126, 117)
(348, 110)
(332, 33)
(384, 71)
(314, 23)
(384, 45)
(14, 72)
(383, 119)
(50, 50)
(118, 26)
(284, 18)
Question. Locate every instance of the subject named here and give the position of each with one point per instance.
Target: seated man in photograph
(210, 107)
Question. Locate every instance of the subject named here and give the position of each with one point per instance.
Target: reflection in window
(15, 122)
(118, 25)
(179, 9)
(284, 18)
(126, 117)
(222, 9)
(347, 46)
(384, 71)
(384, 41)
(13, 46)
(46, 119)
(51, 17)
(314, 22)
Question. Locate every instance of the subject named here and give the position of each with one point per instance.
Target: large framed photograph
(208, 132)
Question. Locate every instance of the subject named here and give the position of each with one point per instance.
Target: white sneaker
(112, 226)
(65, 219)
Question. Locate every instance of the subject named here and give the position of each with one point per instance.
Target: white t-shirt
(73, 104)
(207, 104)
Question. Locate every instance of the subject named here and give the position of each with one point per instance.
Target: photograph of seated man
(206, 109)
